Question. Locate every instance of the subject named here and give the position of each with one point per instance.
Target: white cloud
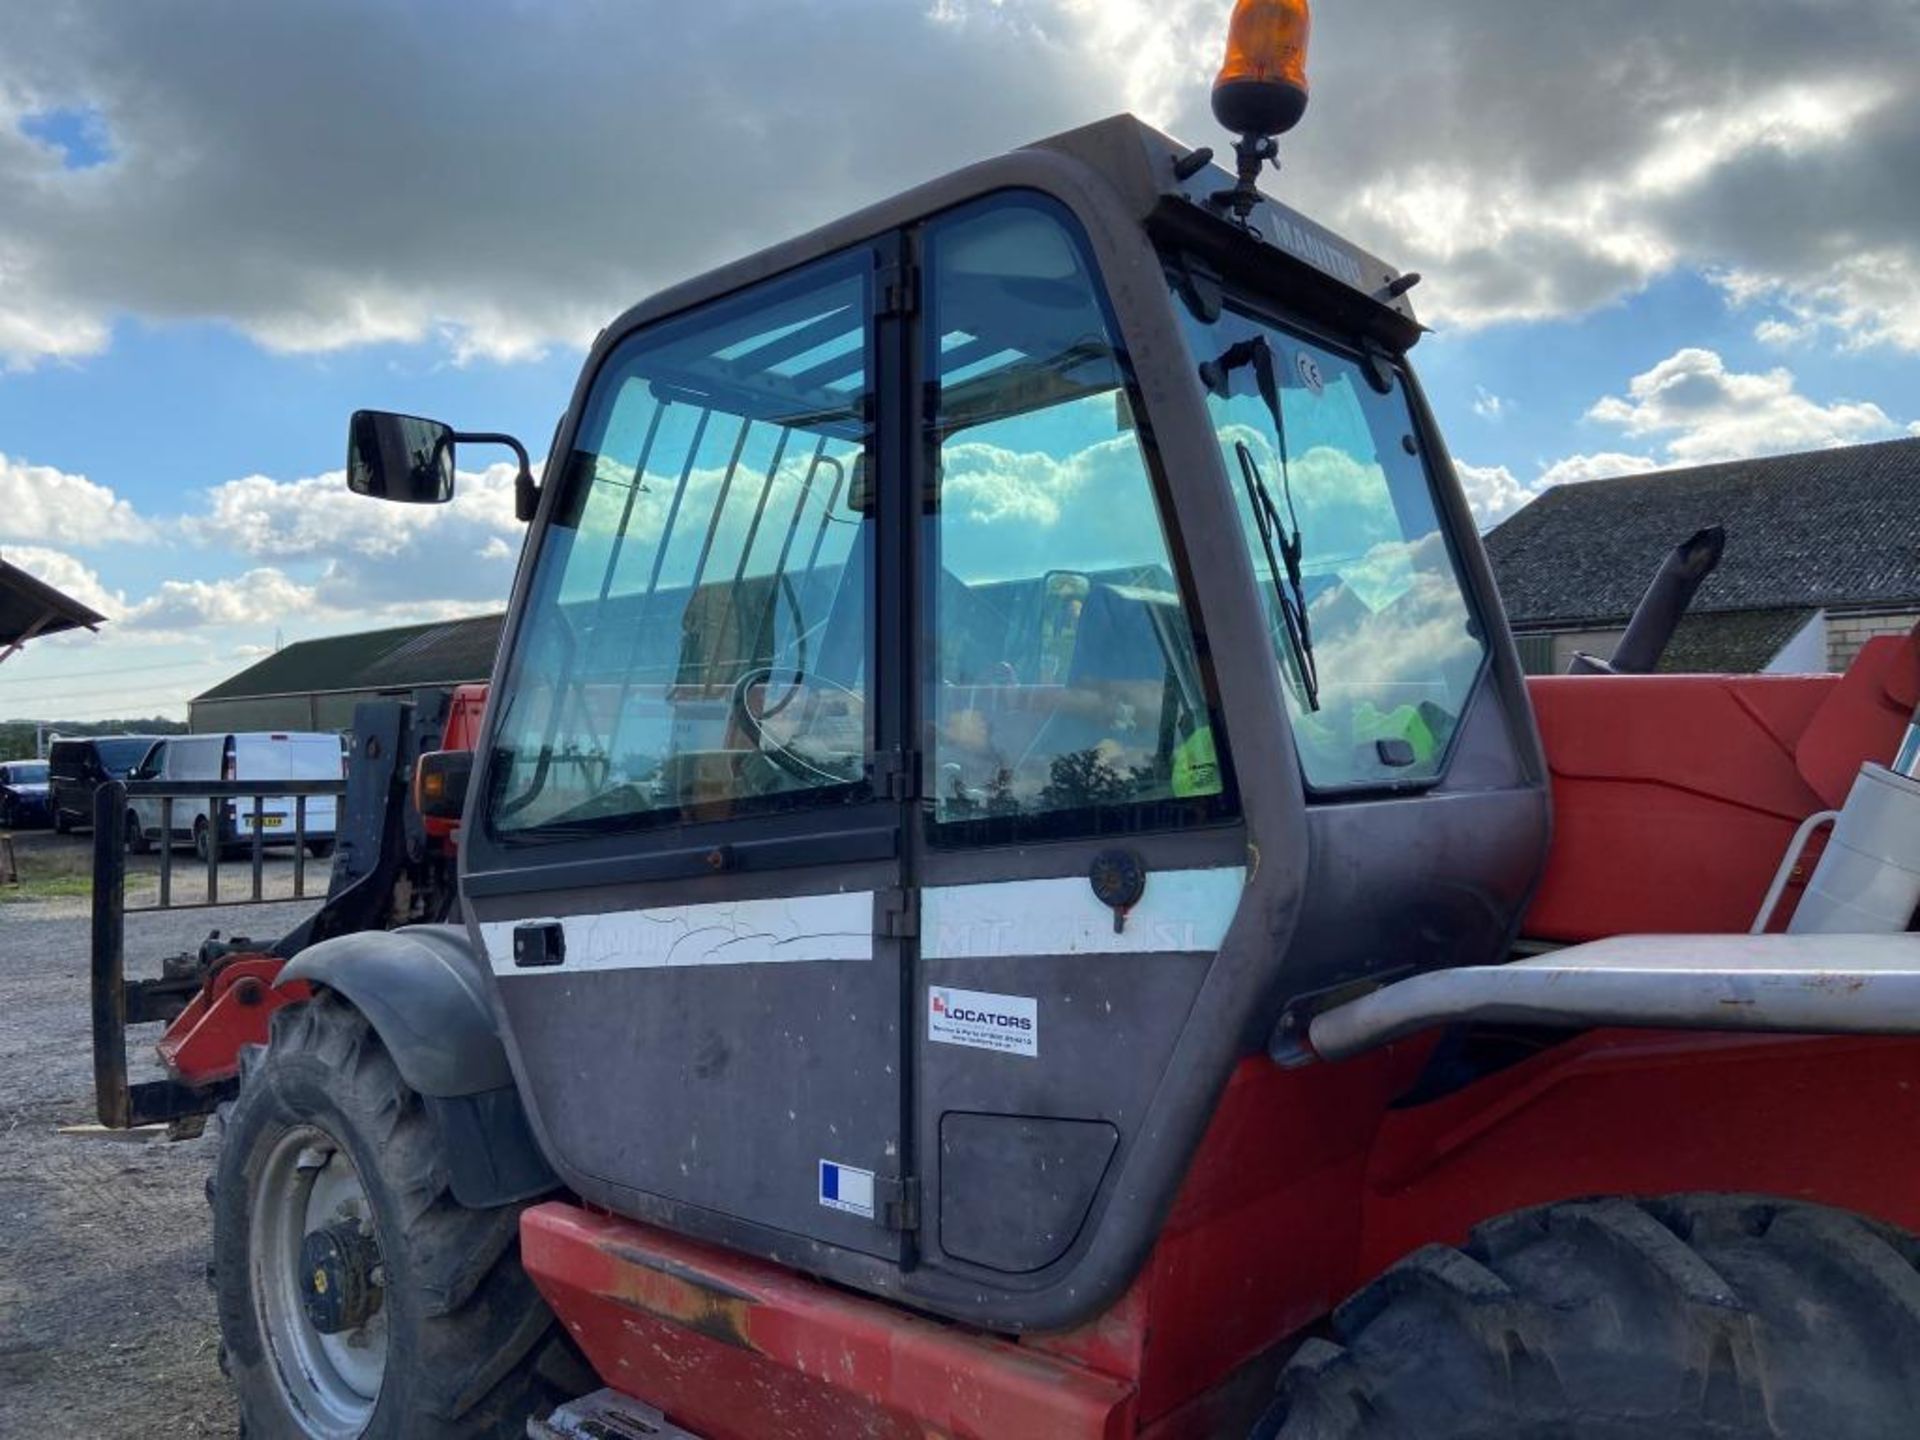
(1605, 465)
(40, 503)
(1489, 406)
(1493, 492)
(1861, 300)
(1781, 333)
(1531, 162)
(1697, 412)
(372, 555)
(1706, 412)
(259, 597)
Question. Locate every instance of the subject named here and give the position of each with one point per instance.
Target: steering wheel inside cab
(798, 752)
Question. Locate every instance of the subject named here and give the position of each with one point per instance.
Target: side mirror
(1061, 604)
(860, 493)
(400, 457)
(440, 783)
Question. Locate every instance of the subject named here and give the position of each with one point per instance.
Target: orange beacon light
(1261, 90)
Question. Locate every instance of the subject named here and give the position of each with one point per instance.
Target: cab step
(606, 1415)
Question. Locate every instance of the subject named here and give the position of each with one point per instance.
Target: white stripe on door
(730, 932)
(1182, 910)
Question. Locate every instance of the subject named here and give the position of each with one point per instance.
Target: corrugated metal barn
(314, 684)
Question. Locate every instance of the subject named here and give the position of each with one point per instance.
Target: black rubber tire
(1690, 1318)
(137, 842)
(6, 812)
(472, 1348)
(201, 839)
(61, 825)
(320, 849)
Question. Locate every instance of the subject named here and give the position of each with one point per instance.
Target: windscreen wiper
(1279, 539)
(1291, 596)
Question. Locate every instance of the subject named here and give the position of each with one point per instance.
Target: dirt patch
(106, 1322)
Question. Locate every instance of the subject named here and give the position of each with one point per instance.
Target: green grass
(50, 874)
(52, 887)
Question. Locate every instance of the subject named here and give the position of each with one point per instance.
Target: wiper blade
(1283, 562)
(1280, 539)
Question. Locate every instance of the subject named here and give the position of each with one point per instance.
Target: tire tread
(1683, 1318)
(480, 1365)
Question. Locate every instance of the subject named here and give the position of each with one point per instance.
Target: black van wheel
(7, 817)
(137, 841)
(61, 825)
(356, 1297)
(1699, 1317)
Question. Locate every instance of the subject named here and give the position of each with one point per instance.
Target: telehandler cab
(1006, 874)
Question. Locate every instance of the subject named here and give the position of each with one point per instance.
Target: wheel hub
(319, 1283)
(338, 1286)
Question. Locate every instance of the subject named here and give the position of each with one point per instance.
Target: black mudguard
(424, 992)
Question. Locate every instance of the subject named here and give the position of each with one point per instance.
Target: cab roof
(1115, 174)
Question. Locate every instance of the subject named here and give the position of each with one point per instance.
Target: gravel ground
(106, 1323)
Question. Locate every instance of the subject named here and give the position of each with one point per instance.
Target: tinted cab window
(1067, 698)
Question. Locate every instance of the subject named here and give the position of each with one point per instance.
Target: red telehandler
(1010, 886)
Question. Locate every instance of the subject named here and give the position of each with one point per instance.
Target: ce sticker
(1310, 375)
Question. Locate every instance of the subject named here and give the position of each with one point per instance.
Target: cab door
(685, 863)
(1078, 849)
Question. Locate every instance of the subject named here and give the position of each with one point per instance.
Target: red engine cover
(1675, 796)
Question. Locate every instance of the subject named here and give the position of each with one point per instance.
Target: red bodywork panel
(737, 1349)
(1674, 796)
(1307, 1183)
(233, 1008)
(462, 732)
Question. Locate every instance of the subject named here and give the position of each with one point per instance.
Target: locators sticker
(1009, 1024)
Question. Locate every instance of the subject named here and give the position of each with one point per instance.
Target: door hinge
(895, 774)
(899, 289)
(899, 914)
(896, 1202)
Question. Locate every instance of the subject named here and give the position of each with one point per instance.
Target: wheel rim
(308, 1187)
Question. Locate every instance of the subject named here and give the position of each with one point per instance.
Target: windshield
(119, 756)
(31, 773)
(1369, 620)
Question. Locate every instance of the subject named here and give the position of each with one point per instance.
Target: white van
(261, 756)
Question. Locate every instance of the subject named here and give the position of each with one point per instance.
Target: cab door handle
(538, 943)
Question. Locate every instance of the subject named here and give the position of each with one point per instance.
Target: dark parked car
(80, 766)
(23, 794)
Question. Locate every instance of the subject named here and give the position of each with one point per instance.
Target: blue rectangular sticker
(846, 1188)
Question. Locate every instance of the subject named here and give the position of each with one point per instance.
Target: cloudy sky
(1655, 232)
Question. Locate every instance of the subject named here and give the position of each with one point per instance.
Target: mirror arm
(526, 494)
